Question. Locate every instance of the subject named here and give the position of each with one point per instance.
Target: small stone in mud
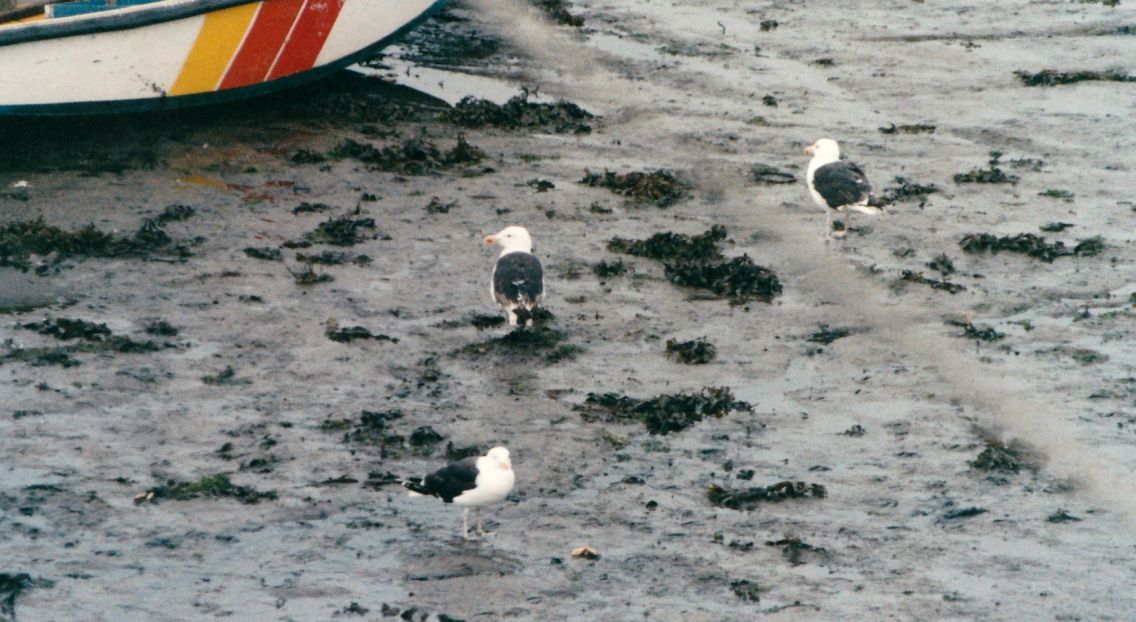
(674, 246)
(749, 498)
(970, 331)
(827, 334)
(560, 117)
(746, 590)
(210, 486)
(917, 277)
(738, 279)
(1052, 77)
(436, 206)
(992, 175)
(348, 334)
(267, 253)
(1031, 245)
(766, 174)
(585, 552)
(917, 128)
(664, 413)
(605, 269)
(693, 352)
(660, 188)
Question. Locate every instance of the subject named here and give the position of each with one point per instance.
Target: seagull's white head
(824, 149)
(500, 455)
(511, 239)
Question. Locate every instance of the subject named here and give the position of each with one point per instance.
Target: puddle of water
(446, 85)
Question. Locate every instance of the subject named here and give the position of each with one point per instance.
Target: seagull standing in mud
(837, 185)
(518, 279)
(474, 482)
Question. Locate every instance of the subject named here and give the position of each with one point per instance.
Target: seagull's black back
(449, 481)
(841, 183)
(518, 279)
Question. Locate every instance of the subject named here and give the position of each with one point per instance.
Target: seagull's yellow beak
(489, 239)
(809, 150)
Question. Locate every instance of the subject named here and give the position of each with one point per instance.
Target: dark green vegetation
(694, 352)
(14, 584)
(827, 334)
(970, 331)
(414, 156)
(668, 246)
(67, 329)
(20, 240)
(311, 208)
(660, 188)
(606, 269)
(209, 486)
(519, 113)
(664, 413)
(436, 206)
(746, 590)
(92, 338)
(907, 190)
(342, 231)
(917, 128)
(750, 498)
(375, 428)
(1055, 227)
(794, 550)
(911, 276)
(996, 457)
(991, 175)
(1053, 193)
(1031, 245)
(333, 258)
(351, 333)
(1052, 77)
(539, 341)
(267, 253)
(766, 174)
(942, 264)
(225, 377)
(694, 261)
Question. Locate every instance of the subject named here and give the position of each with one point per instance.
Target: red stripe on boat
(262, 44)
(307, 38)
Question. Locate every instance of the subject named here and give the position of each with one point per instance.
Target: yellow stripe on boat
(221, 34)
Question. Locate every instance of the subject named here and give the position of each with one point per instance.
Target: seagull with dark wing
(518, 279)
(474, 482)
(837, 185)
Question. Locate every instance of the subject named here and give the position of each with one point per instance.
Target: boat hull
(190, 52)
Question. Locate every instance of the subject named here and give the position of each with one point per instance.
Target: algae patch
(519, 113)
(1052, 77)
(750, 498)
(1030, 245)
(661, 188)
(669, 246)
(664, 413)
(693, 352)
(209, 486)
(20, 240)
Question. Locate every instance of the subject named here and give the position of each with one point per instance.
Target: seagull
(470, 483)
(518, 280)
(837, 185)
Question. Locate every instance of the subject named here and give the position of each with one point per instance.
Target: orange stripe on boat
(263, 43)
(307, 38)
(221, 33)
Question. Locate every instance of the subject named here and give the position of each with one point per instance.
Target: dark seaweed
(660, 188)
(342, 231)
(415, 156)
(311, 208)
(827, 334)
(766, 174)
(306, 156)
(905, 190)
(794, 550)
(664, 413)
(917, 128)
(917, 277)
(175, 212)
(746, 590)
(1052, 77)
(694, 352)
(997, 457)
(20, 240)
(457, 453)
(963, 513)
(66, 329)
(348, 334)
(670, 246)
(1061, 516)
(992, 175)
(210, 486)
(1052, 193)
(308, 276)
(558, 12)
(333, 258)
(519, 113)
(425, 436)
(435, 206)
(225, 377)
(1031, 245)
(970, 331)
(750, 498)
(1055, 227)
(373, 428)
(267, 253)
(536, 341)
(14, 584)
(739, 279)
(943, 264)
(605, 269)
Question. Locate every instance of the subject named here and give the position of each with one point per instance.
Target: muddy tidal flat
(226, 334)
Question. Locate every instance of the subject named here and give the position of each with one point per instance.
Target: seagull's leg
(465, 523)
(843, 232)
(848, 221)
(480, 527)
(827, 224)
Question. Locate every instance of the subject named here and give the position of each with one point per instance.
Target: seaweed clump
(911, 276)
(907, 190)
(970, 331)
(1031, 245)
(20, 240)
(661, 188)
(992, 175)
(348, 334)
(527, 342)
(766, 174)
(674, 246)
(342, 231)
(14, 584)
(749, 498)
(415, 156)
(916, 128)
(738, 279)
(827, 334)
(665, 413)
(606, 269)
(561, 117)
(1000, 458)
(210, 486)
(1052, 77)
(558, 13)
(66, 329)
(694, 352)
